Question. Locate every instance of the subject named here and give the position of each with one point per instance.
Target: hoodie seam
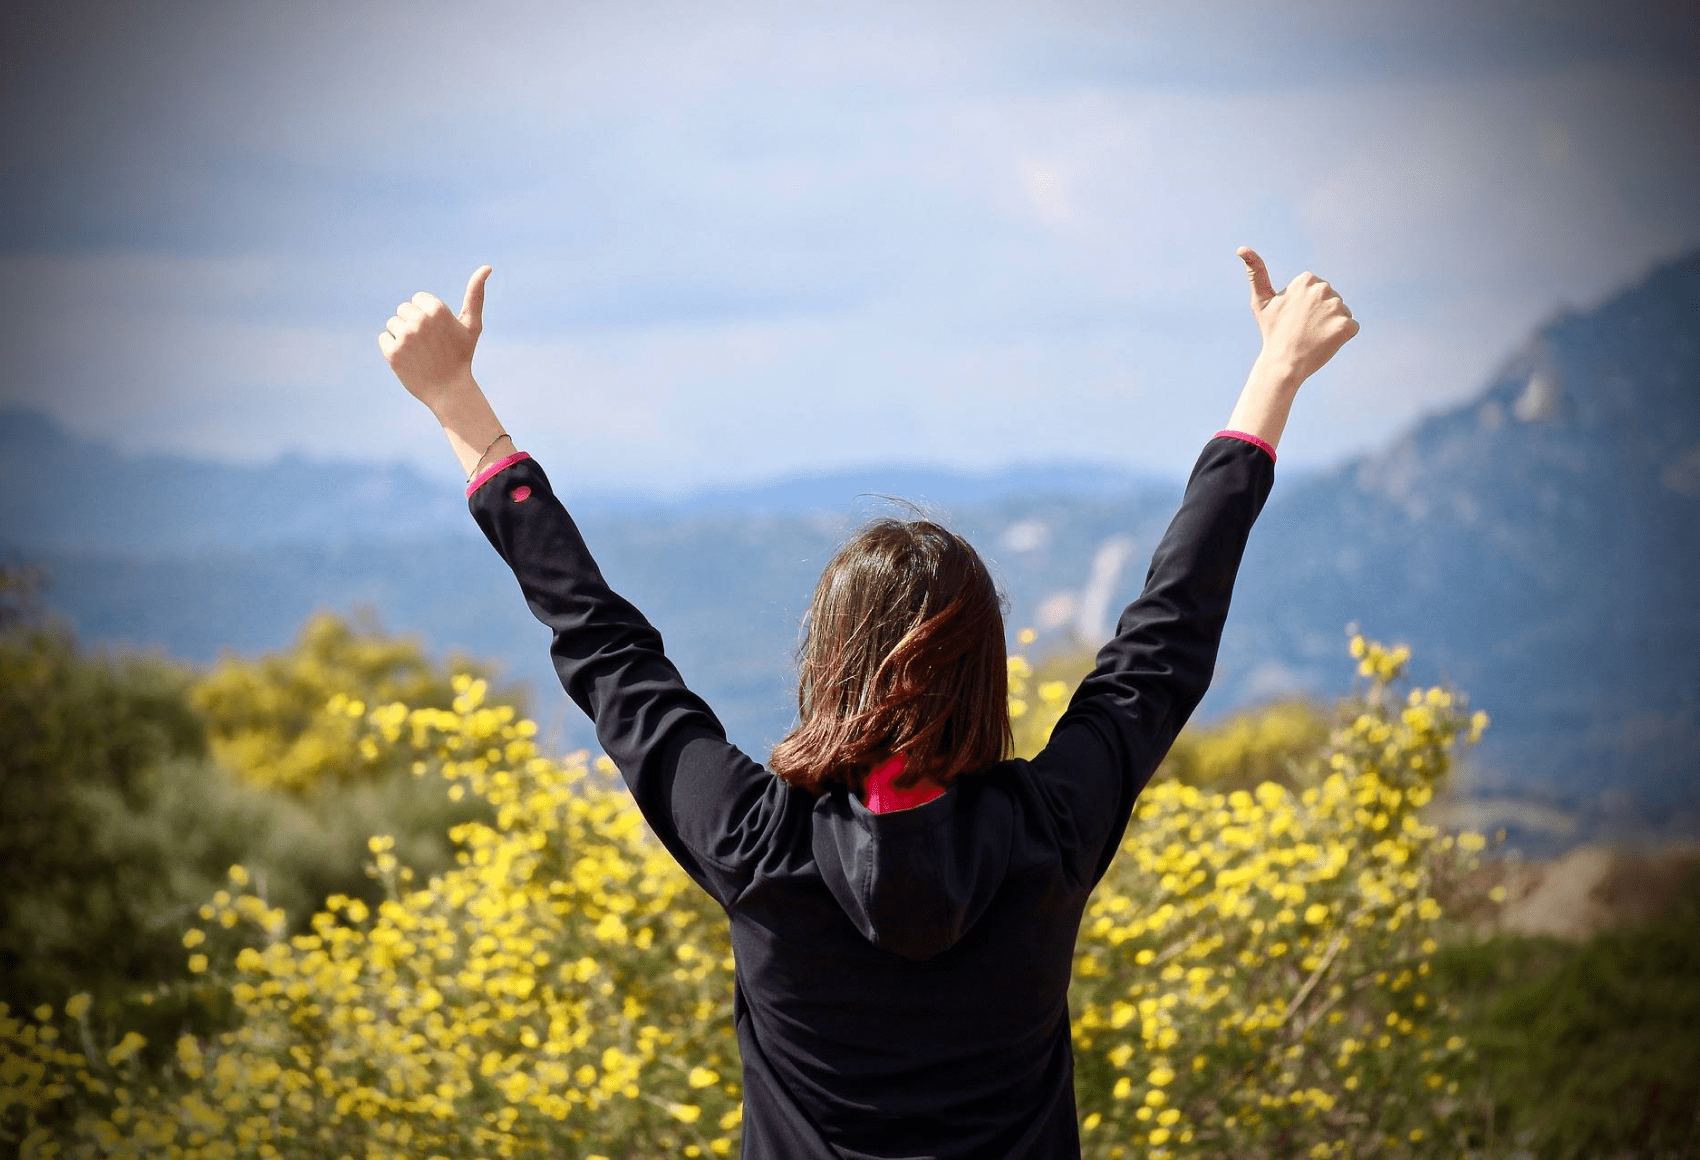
(865, 893)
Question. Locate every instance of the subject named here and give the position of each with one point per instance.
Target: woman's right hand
(1302, 325)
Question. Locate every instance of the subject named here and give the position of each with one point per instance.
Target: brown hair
(902, 652)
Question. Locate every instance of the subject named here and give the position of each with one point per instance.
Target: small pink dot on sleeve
(521, 493)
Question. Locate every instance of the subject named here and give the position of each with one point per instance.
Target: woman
(903, 901)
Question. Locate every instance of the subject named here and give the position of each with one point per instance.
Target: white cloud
(751, 243)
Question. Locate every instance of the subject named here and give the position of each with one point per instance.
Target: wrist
(450, 398)
(1276, 374)
(471, 425)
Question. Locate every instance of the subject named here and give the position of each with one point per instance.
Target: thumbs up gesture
(430, 349)
(1303, 325)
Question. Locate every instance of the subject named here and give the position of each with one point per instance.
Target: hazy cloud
(733, 242)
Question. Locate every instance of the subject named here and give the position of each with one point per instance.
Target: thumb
(1258, 273)
(472, 310)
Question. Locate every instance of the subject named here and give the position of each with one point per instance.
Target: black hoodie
(902, 978)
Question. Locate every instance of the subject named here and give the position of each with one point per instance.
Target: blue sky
(734, 241)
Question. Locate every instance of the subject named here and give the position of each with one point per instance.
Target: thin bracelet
(480, 460)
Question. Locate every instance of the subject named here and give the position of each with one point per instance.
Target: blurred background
(756, 264)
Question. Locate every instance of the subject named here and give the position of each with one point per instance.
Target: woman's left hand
(429, 349)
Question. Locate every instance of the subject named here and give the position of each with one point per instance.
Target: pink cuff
(1252, 439)
(499, 465)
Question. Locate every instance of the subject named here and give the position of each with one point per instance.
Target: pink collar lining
(885, 798)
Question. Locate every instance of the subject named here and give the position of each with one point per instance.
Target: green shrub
(1590, 1049)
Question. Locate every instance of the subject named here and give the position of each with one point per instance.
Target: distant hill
(1538, 546)
(62, 493)
(158, 504)
(197, 558)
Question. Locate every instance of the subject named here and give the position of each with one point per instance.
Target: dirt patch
(1594, 888)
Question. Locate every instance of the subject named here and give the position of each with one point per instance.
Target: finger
(1258, 274)
(396, 326)
(427, 302)
(409, 311)
(472, 309)
(387, 343)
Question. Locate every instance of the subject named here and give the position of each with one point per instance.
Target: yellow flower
(688, 1113)
(125, 1048)
(77, 1005)
(702, 1077)
(197, 963)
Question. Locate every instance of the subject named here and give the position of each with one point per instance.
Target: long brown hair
(902, 652)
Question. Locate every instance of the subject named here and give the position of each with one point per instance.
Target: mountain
(154, 504)
(1536, 546)
(62, 493)
(197, 558)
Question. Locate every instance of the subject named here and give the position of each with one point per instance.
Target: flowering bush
(1251, 976)
(1253, 973)
(264, 717)
(564, 987)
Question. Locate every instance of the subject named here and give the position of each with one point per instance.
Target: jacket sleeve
(1148, 680)
(708, 803)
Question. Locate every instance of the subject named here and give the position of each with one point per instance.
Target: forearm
(474, 433)
(1265, 401)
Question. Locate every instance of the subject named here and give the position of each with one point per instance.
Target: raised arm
(707, 802)
(1150, 677)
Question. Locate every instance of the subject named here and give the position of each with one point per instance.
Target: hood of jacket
(914, 881)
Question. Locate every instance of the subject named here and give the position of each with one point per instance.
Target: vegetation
(88, 750)
(1269, 743)
(1585, 1050)
(119, 820)
(1268, 970)
(265, 718)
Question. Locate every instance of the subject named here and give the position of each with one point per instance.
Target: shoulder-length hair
(902, 653)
